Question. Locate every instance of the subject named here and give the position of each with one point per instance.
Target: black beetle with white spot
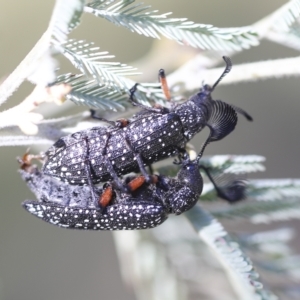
(105, 153)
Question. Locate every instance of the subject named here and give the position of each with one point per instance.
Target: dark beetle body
(101, 154)
(72, 206)
(152, 135)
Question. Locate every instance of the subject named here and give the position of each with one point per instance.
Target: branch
(39, 66)
(26, 68)
(279, 20)
(238, 266)
(191, 75)
(286, 39)
(22, 115)
(277, 26)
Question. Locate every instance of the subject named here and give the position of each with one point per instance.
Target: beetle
(100, 154)
(73, 207)
(147, 206)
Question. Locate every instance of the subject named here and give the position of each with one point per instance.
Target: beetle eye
(59, 144)
(76, 135)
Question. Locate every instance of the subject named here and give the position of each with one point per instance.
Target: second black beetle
(104, 153)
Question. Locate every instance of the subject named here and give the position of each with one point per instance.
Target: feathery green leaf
(229, 254)
(286, 16)
(275, 200)
(85, 57)
(235, 164)
(139, 19)
(274, 189)
(93, 94)
(261, 211)
(65, 17)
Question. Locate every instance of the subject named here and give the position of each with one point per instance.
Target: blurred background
(39, 261)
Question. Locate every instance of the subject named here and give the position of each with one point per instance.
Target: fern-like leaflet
(139, 19)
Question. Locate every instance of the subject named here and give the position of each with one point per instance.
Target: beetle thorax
(193, 117)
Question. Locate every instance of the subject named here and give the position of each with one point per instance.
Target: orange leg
(133, 185)
(139, 181)
(123, 122)
(106, 197)
(164, 84)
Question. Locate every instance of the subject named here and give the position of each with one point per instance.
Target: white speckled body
(72, 206)
(153, 136)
